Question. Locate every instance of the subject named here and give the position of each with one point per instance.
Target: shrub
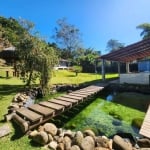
(77, 69)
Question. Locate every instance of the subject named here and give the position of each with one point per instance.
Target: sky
(98, 20)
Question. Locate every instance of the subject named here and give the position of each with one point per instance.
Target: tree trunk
(30, 77)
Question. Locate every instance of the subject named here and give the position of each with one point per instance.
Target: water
(29, 102)
(93, 117)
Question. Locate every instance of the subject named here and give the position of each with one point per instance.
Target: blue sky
(97, 20)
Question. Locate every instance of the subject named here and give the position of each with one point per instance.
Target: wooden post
(103, 69)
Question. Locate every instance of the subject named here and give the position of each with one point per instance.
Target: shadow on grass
(71, 76)
(17, 132)
(9, 89)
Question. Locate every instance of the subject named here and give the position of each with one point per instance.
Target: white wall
(135, 78)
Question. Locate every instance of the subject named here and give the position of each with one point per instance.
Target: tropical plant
(146, 30)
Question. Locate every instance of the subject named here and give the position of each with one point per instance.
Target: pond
(105, 118)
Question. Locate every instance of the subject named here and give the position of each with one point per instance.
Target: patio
(132, 53)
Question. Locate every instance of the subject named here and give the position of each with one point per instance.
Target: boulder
(120, 144)
(50, 128)
(67, 143)
(89, 133)
(143, 143)
(53, 145)
(101, 148)
(75, 147)
(61, 146)
(102, 142)
(88, 143)
(33, 134)
(78, 138)
(41, 138)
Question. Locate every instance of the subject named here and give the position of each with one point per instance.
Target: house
(63, 64)
(8, 54)
(138, 52)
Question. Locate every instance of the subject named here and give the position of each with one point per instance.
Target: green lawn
(10, 86)
(68, 77)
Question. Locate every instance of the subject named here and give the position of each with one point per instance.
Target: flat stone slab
(4, 130)
(64, 103)
(30, 115)
(45, 111)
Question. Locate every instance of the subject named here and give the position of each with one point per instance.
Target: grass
(69, 77)
(97, 116)
(10, 86)
(126, 113)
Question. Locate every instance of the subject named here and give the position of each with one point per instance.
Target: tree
(10, 32)
(67, 36)
(77, 69)
(86, 58)
(146, 30)
(113, 45)
(37, 58)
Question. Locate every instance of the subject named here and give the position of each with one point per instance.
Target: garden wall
(135, 78)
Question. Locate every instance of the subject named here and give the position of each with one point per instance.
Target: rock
(75, 147)
(4, 130)
(60, 131)
(143, 143)
(50, 138)
(89, 133)
(41, 128)
(61, 146)
(56, 137)
(88, 143)
(52, 145)
(33, 134)
(67, 143)
(78, 138)
(120, 144)
(102, 142)
(41, 138)
(50, 128)
(101, 148)
(69, 133)
(60, 139)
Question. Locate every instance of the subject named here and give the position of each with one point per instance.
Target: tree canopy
(113, 45)
(146, 30)
(36, 57)
(67, 37)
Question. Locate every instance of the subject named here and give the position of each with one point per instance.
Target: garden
(88, 116)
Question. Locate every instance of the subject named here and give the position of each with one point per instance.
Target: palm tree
(146, 30)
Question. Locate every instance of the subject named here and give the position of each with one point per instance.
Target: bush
(77, 69)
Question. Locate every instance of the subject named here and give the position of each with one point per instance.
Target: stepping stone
(30, 115)
(45, 111)
(4, 130)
